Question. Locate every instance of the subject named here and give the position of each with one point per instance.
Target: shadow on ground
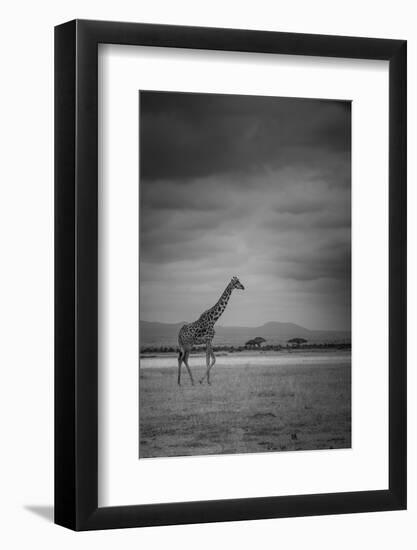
(45, 512)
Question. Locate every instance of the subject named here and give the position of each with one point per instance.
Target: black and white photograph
(245, 274)
(209, 260)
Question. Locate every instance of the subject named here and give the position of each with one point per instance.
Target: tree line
(266, 347)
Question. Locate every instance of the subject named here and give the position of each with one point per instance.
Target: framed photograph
(230, 284)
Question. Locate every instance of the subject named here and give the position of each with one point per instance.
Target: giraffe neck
(220, 306)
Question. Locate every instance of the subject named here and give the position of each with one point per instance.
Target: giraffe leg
(186, 355)
(211, 366)
(207, 363)
(180, 359)
(209, 353)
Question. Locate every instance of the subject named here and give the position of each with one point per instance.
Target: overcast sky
(257, 187)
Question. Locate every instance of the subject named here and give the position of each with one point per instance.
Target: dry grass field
(287, 402)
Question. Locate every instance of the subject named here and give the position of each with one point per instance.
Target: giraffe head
(236, 283)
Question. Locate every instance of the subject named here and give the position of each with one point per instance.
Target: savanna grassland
(256, 403)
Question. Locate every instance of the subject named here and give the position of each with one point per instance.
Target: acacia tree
(255, 342)
(296, 342)
(259, 340)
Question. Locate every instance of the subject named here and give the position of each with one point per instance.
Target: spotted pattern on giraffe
(202, 332)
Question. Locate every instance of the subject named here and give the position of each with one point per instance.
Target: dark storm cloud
(183, 136)
(258, 187)
(325, 263)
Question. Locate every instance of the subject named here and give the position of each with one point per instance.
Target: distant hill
(166, 334)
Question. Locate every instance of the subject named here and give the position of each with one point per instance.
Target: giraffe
(202, 332)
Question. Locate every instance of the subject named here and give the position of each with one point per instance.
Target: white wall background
(26, 287)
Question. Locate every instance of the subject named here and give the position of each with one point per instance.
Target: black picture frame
(76, 272)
